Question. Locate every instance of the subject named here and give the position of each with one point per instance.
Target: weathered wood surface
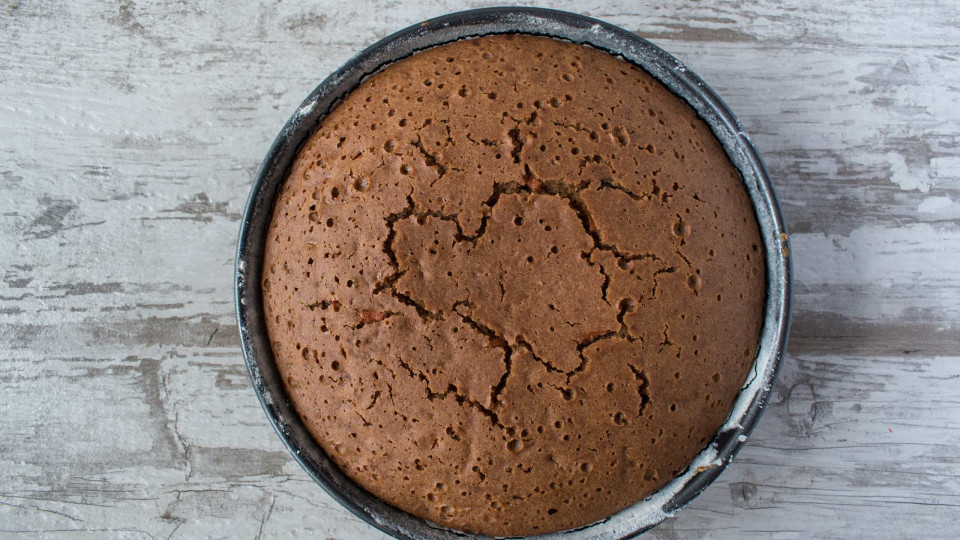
(129, 137)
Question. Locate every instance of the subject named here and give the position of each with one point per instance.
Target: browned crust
(513, 285)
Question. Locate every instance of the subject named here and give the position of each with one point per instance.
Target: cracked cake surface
(513, 284)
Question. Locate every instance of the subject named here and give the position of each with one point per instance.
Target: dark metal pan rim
(748, 406)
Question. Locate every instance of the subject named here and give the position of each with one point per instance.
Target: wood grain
(129, 137)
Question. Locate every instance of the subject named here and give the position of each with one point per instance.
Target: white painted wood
(129, 136)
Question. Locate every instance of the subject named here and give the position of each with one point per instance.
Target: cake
(513, 284)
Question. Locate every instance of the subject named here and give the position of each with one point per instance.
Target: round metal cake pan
(642, 515)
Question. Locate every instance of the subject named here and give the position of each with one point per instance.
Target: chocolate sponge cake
(513, 284)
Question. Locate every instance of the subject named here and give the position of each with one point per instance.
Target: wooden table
(129, 137)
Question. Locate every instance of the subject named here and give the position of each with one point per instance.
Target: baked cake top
(513, 284)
